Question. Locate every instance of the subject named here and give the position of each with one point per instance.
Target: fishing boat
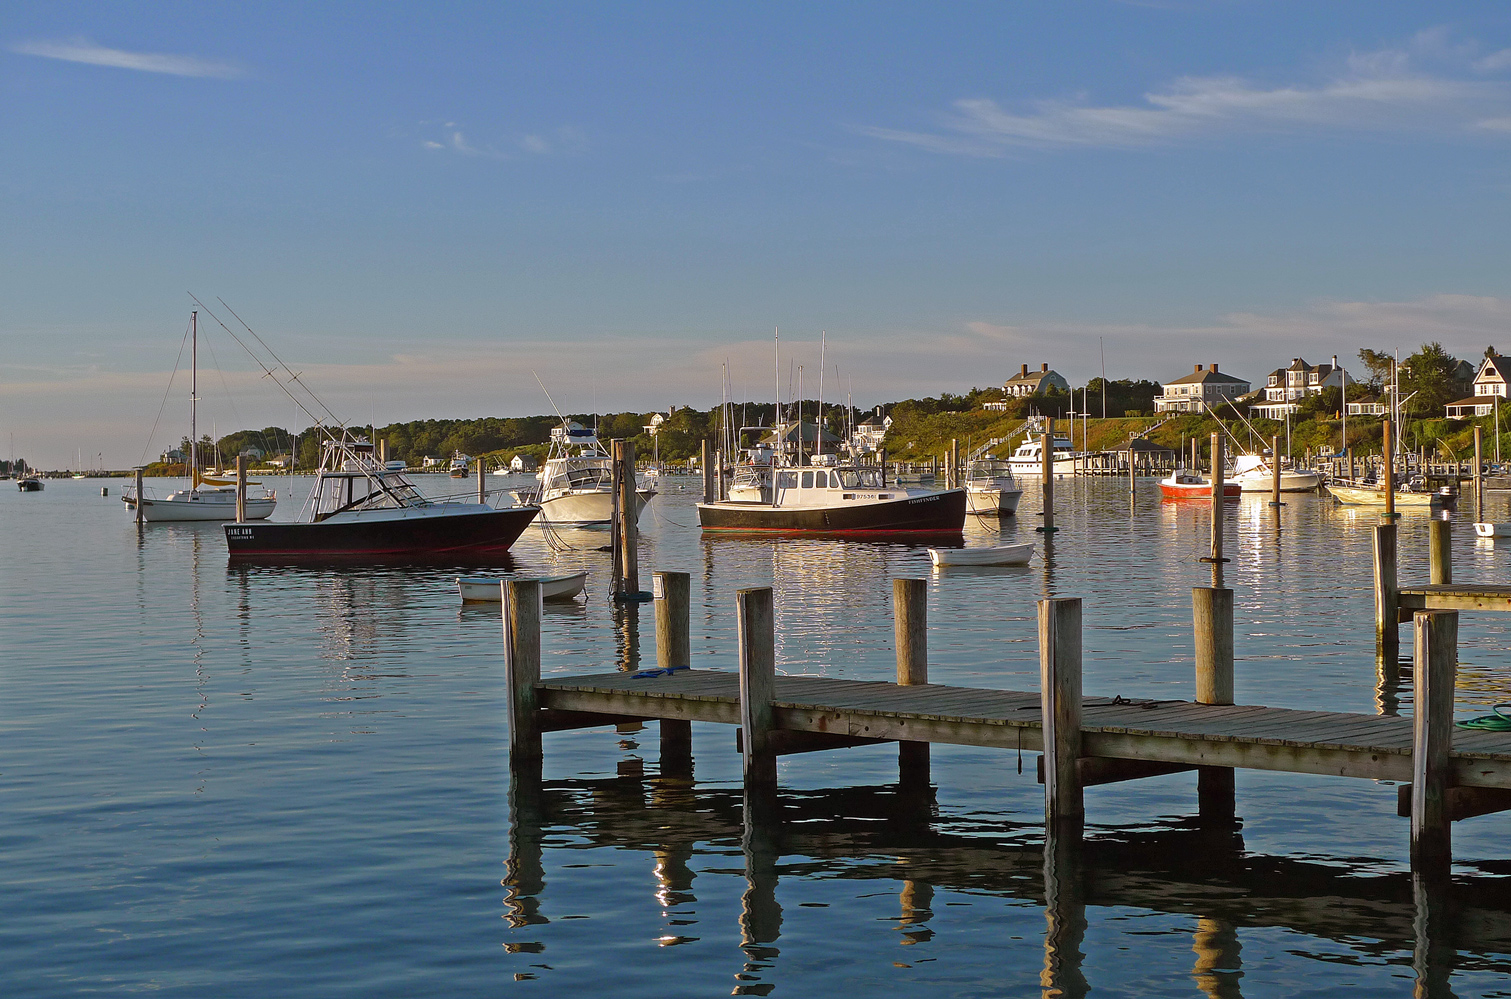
(990, 489)
(1028, 459)
(842, 500)
(459, 468)
(1254, 474)
(29, 484)
(208, 498)
(357, 507)
(1018, 554)
(1373, 494)
(487, 589)
(1493, 530)
(576, 486)
(1188, 485)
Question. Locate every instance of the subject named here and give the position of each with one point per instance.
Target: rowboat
(1493, 530)
(486, 589)
(1187, 485)
(995, 555)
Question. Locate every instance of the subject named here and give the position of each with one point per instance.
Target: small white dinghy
(486, 589)
(1493, 530)
(995, 555)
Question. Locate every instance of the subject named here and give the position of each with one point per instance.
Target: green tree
(1430, 373)
(1377, 363)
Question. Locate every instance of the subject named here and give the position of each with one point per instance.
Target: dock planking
(1176, 732)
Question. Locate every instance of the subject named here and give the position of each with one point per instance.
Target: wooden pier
(1085, 740)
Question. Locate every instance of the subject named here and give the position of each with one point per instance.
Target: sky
(422, 208)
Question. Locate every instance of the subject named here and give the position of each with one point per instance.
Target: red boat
(1186, 485)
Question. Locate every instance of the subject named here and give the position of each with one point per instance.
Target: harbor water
(267, 780)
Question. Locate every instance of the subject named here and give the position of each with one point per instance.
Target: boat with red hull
(1187, 485)
(361, 508)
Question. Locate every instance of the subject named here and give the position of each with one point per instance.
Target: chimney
(1214, 367)
(1197, 371)
(1335, 362)
(1024, 372)
(1043, 367)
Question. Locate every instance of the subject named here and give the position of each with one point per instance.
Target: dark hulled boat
(359, 508)
(843, 501)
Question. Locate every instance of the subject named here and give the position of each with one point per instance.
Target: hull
(1493, 530)
(175, 511)
(1230, 490)
(996, 555)
(1290, 482)
(993, 502)
(587, 507)
(933, 513)
(1035, 469)
(491, 531)
(1376, 497)
(481, 589)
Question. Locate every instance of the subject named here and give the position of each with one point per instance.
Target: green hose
(1498, 722)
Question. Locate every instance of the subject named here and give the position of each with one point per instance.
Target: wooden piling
(1479, 476)
(1212, 617)
(1440, 551)
(1275, 474)
(1387, 588)
(955, 477)
(1217, 501)
(1060, 712)
(1390, 470)
(1436, 634)
(482, 487)
(141, 516)
(522, 613)
(708, 481)
(241, 489)
(1048, 465)
(757, 640)
(910, 633)
(881, 458)
(672, 594)
(626, 537)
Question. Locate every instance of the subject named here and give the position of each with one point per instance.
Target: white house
(1027, 383)
(868, 436)
(1286, 387)
(1489, 385)
(1204, 386)
(523, 463)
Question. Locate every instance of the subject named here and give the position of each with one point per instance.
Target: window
(821, 480)
(807, 480)
(786, 480)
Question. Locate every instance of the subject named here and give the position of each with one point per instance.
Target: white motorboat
(996, 555)
(990, 489)
(1493, 530)
(207, 498)
(1372, 494)
(1253, 473)
(576, 486)
(1028, 459)
(487, 589)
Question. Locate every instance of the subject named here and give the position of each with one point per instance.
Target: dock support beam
(672, 593)
(1060, 711)
(1275, 475)
(1440, 551)
(1390, 470)
(1479, 477)
(626, 528)
(1436, 634)
(482, 485)
(1048, 464)
(708, 478)
(910, 624)
(1387, 591)
(1212, 616)
(757, 639)
(241, 489)
(522, 666)
(140, 512)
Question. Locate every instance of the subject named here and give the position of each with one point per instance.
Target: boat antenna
(552, 401)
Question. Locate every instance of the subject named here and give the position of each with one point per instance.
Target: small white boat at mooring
(1493, 530)
(996, 555)
(487, 589)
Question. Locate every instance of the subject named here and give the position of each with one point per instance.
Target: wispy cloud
(85, 51)
(1378, 92)
(564, 140)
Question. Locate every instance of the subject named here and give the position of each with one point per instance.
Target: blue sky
(418, 205)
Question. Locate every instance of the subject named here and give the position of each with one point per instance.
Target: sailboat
(207, 498)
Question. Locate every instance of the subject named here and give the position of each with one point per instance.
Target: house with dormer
(1026, 383)
(1286, 387)
(1206, 386)
(1489, 387)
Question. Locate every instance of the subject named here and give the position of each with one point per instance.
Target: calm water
(294, 781)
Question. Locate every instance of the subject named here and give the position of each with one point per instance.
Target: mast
(194, 400)
(819, 433)
(776, 395)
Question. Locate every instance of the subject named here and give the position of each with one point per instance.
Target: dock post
(1048, 465)
(955, 463)
(1440, 551)
(1060, 713)
(522, 666)
(140, 513)
(708, 482)
(1479, 479)
(1212, 616)
(757, 638)
(482, 488)
(1390, 470)
(910, 632)
(672, 593)
(626, 541)
(241, 489)
(881, 457)
(1275, 474)
(1387, 589)
(1436, 634)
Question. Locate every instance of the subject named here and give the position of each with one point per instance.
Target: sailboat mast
(194, 399)
(819, 433)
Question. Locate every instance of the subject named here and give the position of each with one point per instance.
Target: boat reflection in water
(892, 837)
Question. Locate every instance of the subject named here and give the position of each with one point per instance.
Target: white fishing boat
(576, 486)
(1493, 530)
(1018, 554)
(990, 489)
(1253, 473)
(207, 498)
(487, 589)
(1372, 494)
(1028, 459)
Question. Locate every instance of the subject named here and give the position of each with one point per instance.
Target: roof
(1206, 376)
(1499, 363)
